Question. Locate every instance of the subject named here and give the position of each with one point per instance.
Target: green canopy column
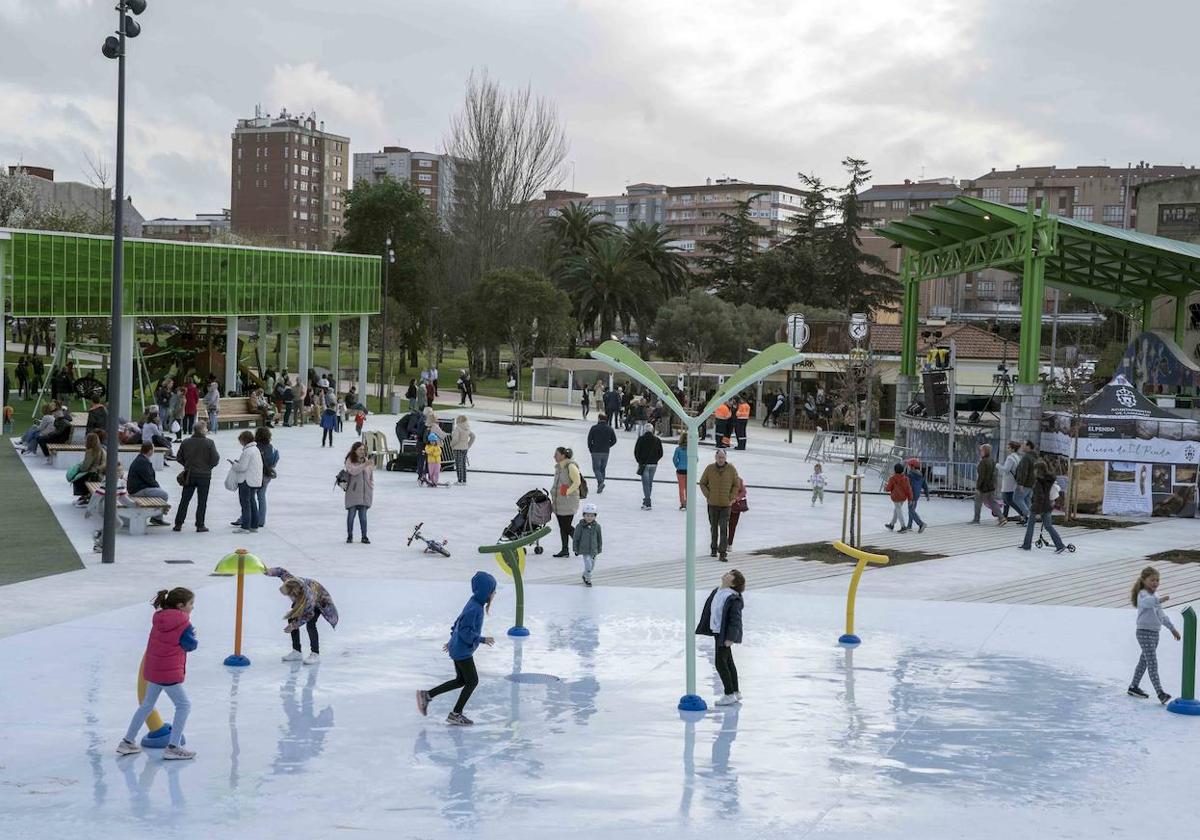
(285, 327)
(231, 354)
(1181, 313)
(1147, 313)
(911, 304)
(124, 358)
(1033, 294)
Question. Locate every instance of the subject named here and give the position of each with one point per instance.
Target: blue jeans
(182, 707)
(1012, 498)
(913, 517)
(260, 498)
(248, 496)
(647, 482)
(362, 520)
(599, 466)
(1047, 519)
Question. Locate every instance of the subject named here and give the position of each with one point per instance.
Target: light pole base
(518, 630)
(849, 640)
(1184, 706)
(237, 660)
(692, 703)
(159, 738)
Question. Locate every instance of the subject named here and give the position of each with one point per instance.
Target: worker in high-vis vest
(742, 419)
(722, 416)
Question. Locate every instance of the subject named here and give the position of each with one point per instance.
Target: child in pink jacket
(164, 667)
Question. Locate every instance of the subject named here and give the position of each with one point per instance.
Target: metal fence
(839, 446)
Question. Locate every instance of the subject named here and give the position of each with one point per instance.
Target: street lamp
(114, 47)
(389, 260)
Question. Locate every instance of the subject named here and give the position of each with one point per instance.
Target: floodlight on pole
(114, 48)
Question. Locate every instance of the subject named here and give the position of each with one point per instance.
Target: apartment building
(693, 212)
(289, 179)
(206, 227)
(639, 203)
(75, 197)
(431, 174)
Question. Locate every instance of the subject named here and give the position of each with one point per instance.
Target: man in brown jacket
(719, 484)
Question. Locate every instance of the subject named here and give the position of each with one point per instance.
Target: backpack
(342, 480)
(583, 488)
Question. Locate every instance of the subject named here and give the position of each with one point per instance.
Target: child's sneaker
(586, 581)
(921, 529)
(177, 754)
(292, 656)
(1134, 691)
(128, 748)
(459, 719)
(1164, 698)
(738, 695)
(726, 700)
(312, 659)
(423, 702)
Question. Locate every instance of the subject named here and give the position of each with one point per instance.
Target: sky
(667, 91)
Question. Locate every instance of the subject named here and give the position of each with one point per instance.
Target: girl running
(466, 634)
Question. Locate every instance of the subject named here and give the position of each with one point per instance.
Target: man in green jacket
(719, 484)
(985, 485)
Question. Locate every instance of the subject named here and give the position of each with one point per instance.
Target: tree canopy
(522, 309)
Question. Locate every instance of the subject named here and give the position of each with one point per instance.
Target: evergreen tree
(857, 281)
(730, 262)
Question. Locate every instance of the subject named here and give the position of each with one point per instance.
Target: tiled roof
(886, 192)
(970, 342)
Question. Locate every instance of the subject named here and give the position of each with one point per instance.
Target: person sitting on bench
(142, 483)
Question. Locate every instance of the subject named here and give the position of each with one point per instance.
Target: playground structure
(511, 558)
(240, 563)
(51, 274)
(618, 356)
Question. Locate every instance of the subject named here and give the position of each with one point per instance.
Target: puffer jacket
(171, 638)
(588, 538)
(731, 619)
(719, 485)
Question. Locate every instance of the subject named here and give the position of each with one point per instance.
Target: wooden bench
(134, 512)
(232, 412)
(64, 455)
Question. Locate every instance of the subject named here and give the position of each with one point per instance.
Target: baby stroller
(533, 511)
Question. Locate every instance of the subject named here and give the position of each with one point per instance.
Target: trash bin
(394, 401)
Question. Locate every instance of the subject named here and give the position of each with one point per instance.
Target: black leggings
(465, 677)
(726, 669)
(565, 529)
(314, 643)
(327, 434)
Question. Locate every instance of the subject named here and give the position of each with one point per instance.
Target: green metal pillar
(1033, 291)
(908, 332)
(1181, 311)
(1147, 313)
(1186, 703)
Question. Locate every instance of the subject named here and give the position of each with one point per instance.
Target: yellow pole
(863, 558)
(237, 627)
(154, 719)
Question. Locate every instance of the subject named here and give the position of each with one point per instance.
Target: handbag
(231, 480)
(73, 471)
(740, 505)
(182, 477)
(342, 480)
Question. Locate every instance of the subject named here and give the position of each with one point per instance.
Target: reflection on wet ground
(946, 711)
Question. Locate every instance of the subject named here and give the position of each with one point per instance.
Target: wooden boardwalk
(669, 574)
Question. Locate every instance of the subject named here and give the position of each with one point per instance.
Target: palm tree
(608, 285)
(575, 228)
(650, 244)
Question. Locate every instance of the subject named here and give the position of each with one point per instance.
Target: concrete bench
(133, 512)
(64, 455)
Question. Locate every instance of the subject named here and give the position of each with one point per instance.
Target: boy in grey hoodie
(588, 541)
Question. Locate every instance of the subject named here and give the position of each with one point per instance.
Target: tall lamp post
(389, 257)
(114, 47)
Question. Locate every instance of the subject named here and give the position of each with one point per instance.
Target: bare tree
(507, 146)
(98, 176)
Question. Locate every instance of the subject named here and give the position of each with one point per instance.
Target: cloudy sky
(671, 91)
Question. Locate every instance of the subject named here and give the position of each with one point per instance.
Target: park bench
(64, 455)
(134, 512)
(233, 412)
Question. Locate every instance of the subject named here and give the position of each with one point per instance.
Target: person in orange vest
(721, 426)
(742, 419)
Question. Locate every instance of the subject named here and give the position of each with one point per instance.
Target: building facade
(289, 179)
(639, 203)
(692, 213)
(206, 227)
(432, 175)
(75, 197)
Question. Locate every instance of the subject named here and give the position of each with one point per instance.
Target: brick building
(639, 203)
(289, 178)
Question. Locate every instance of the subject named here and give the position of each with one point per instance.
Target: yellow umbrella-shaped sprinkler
(240, 563)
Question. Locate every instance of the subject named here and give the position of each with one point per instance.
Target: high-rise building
(206, 227)
(289, 179)
(694, 212)
(431, 174)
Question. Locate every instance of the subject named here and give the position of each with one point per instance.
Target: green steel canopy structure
(52, 275)
(1104, 264)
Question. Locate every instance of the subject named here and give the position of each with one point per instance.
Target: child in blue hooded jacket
(466, 634)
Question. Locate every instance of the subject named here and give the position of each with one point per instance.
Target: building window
(425, 177)
(1114, 214)
(992, 194)
(1018, 195)
(1076, 195)
(899, 204)
(986, 286)
(1083, 212)
(426, 191)
(425, 164)
(239, 152)
(303, 154)
(303, 170)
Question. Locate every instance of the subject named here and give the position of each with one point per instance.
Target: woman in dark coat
(1042, 507)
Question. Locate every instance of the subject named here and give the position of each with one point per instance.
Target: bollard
(848, 638)
(1186, 703)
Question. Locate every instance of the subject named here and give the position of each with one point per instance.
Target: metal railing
(839, 446)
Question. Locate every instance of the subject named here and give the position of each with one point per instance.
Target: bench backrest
(234, 405)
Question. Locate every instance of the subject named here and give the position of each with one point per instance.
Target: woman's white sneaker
(726, 700)
(312, 659)
(128, 748)
(293, 656)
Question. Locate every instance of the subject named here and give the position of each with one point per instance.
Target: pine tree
(731, 261)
